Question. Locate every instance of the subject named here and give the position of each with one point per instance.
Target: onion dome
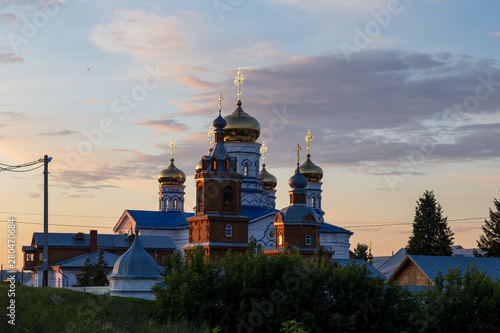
(219, 122)
(311, 171)
(297, 181)
(172, 175)
(269, 182)
(241, 126)
(198, 166)
(135, 263)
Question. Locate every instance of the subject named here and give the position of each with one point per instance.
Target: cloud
(192, 81)
(13, 114)
(92, 101)
(140, 34)
(165, 125)
(34, 195)
(9, 18)
(497, 34)
(59, 133)
(253, 50)
(376, 114)
(7, 56)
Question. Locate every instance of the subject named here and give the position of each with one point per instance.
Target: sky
(400, 96)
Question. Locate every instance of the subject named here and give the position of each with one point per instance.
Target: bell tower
(217, 224)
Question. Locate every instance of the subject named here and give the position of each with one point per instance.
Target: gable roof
(103, 241)
(391, 263)
(79, 261)
(256, 213)
(430, 265)
(372, 270)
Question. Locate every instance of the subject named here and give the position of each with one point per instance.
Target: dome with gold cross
(269, 182)
(311, 171)
(171, 175)
(240, 125)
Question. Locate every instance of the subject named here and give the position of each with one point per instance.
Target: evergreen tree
(489, 241)
(431, 233)
(93, 274)
(361, 252)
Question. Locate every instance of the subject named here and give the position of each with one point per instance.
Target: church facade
(236, 198)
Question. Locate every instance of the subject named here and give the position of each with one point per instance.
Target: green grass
(61, 310)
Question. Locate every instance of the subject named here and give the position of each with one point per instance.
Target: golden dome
(311, 171)
(269, 182)
(171, 175)
(198, 167)
(241, 126)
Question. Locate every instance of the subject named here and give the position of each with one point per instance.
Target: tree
(93, 274)
(361, 252)
(489, 241)
(431, 233)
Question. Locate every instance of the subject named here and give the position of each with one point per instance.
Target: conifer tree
(431, 233)
(489, 241)
(361, 252)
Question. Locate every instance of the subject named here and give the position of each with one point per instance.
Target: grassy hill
(61, 310)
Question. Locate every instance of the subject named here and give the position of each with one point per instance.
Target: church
(236, 198)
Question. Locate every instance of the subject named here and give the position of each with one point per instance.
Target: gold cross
(298, 149)
(220, 103)
(309, 138)
(263, 150)
(172, 144)
(238, 81)
(370, 243)
(210, 134)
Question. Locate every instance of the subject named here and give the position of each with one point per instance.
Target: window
(245, 170)
(313, 202)
(308, 240)
(30, 257)
(40, 256)
(200, 199)
(226, 166)
(227, 198)
(166, 204)
(176, 203)
(280, 239)
(214, 165)
(229, 231)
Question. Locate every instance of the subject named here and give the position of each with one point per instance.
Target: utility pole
(46, 161)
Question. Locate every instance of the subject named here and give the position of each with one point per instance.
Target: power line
(60, 225)
(87, 216)
(11, 168)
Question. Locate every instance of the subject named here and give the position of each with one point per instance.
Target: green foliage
(489, 241)
(93, 274)
(256, 293)
(361, 252)
(460, 303)
(292, 326)
(40, 310)
(431, 234)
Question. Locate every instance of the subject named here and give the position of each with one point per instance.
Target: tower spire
(172, 145)
(263, 151)
(238, 81)
(308, 139)
(211, 133)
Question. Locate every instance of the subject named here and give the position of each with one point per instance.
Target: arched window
(245, 170)
(214, 164)
(313, 202)
(280, 239)
(226, 165)
(176, 204)
(308, 240)
(227, 198)
(200, 199)
(166, 204)
(229, 231)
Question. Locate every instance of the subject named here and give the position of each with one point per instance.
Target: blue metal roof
(391, 263)
(160, 219)
(103, 241)
(325, 227)
(255, 212)
(373, 271)
(430, 265)
(79, 261)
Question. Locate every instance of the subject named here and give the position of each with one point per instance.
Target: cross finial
(308, 139)
(172, 144)
(210, 135)
(238, 81)
(220, 103)
(370, 244)
(298, 149)
(263, 150)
